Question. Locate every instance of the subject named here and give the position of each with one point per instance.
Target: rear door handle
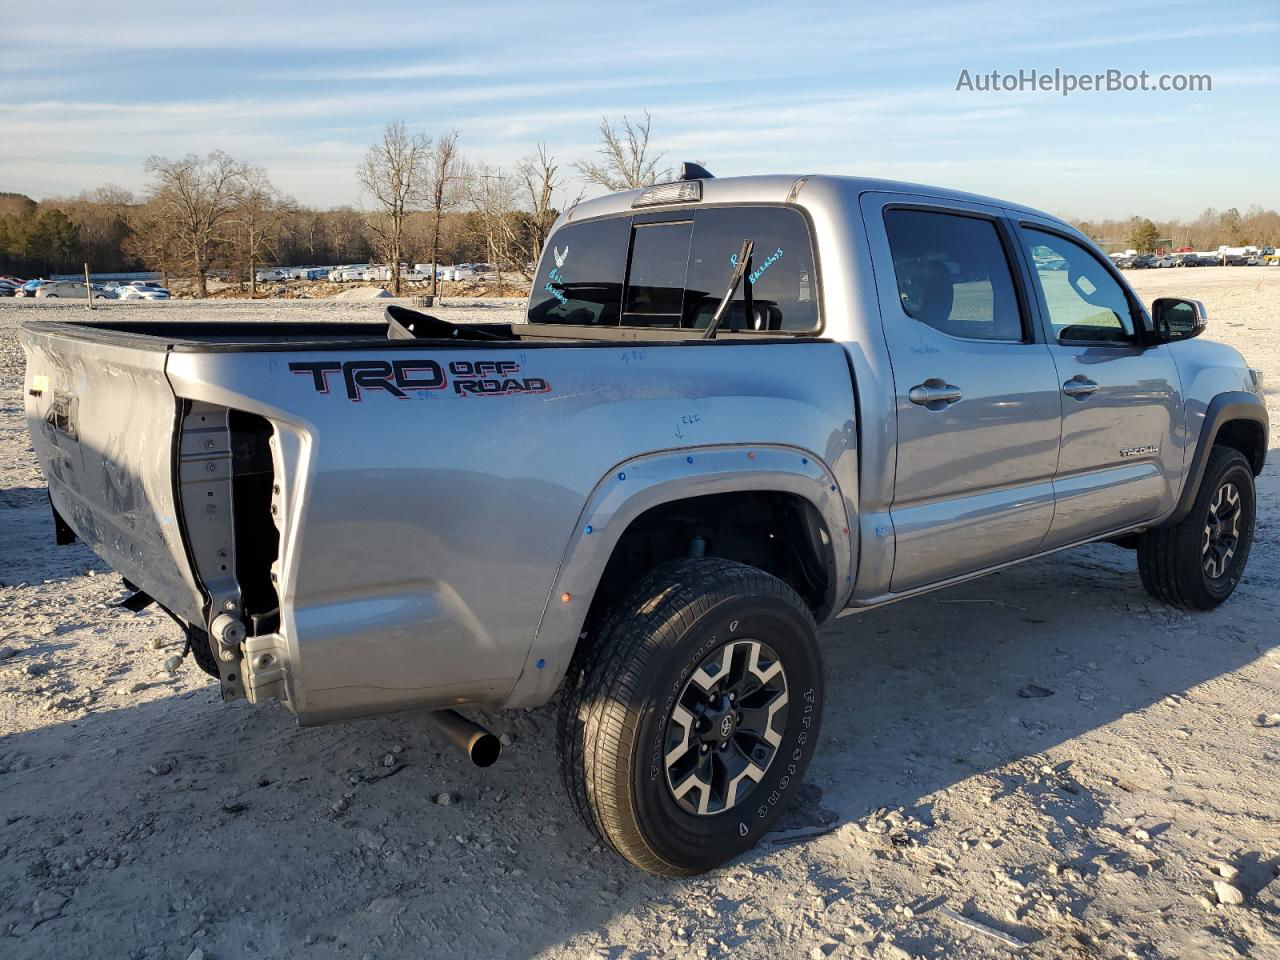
(934, 394)
(1080, 387)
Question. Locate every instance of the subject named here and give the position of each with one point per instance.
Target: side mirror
(1177, 319)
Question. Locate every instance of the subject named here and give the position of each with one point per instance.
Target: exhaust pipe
(472, 739)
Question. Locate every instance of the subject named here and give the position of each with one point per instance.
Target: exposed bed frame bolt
(229, 632)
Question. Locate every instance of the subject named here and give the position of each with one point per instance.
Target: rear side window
(673, 273)
(953, 275)
(580, 278)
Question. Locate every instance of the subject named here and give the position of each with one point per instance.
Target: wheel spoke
(771, 735)
(692, 782)
(707, 681)
(684, 718)
(731, 792)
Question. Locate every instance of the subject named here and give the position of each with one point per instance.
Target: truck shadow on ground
(229, 828)
(27, 551)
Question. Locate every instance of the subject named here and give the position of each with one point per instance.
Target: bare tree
(395, 173)
(493, 200)
(515, 213)
(626, 162)
(259, 212)
(448, 175)
(348, 233)
(151, 238)
(196, 198)
(540, 180)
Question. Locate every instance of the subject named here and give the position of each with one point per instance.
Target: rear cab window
(671, 270)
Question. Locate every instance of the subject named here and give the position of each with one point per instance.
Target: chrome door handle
(1080, 387)
(934, 394)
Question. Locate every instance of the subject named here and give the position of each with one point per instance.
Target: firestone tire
(660, 680)
(1197, 562)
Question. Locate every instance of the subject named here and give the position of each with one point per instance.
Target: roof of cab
(780, 188)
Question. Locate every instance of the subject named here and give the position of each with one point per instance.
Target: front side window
(1084, 302)
(953, 275)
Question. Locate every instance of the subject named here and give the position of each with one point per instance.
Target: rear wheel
(689, 722)
(1197, 562)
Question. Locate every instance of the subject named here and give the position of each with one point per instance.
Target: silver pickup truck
(739, 408)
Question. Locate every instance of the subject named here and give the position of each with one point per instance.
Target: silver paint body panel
(428, 545)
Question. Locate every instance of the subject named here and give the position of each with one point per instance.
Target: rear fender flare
(644, 482)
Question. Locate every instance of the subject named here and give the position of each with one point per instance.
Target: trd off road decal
(401, 378)
(492, 378)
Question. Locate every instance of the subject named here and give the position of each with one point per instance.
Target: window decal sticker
(769, 262)
(555, 277)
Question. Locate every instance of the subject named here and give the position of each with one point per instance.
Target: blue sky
(858, 88)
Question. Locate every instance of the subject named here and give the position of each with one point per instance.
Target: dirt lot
(140, 817)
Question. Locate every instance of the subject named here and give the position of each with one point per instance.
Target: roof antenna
(695, 171)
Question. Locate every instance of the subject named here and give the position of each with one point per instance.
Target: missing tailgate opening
(256, 537)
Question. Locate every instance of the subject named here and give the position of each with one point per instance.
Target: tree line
(214, 214)
(427, 204)
(1212, 229)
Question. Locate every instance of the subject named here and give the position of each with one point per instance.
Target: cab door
(1120, 397)
(976, 392)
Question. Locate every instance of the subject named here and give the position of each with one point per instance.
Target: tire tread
(1169, 557)
(601, 704)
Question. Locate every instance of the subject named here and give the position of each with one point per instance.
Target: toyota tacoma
(738, 408)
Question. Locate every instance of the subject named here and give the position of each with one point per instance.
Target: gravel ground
(944, 814)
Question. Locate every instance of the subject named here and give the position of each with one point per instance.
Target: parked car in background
(463, 271)
(1186, 260)
(142, 290)
(344, 274)
(8, 286)
(271, 276)
(29, 288)
(70, 289)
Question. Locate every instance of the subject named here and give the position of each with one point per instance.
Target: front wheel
(688, 722)
(1197, 562)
